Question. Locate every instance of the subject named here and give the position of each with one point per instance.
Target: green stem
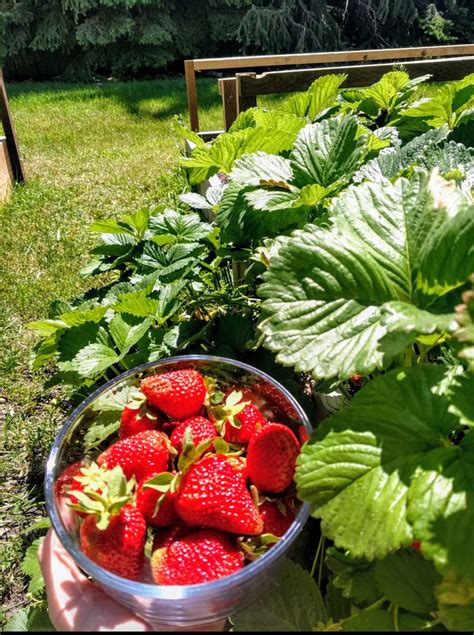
(396, 625)
(315, 561)
(375, 605)
(321, 562)
(408, 359)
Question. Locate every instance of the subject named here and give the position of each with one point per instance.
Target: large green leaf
(294, 603)
(184, 228)
(384, 472)
(351, 298)
(246, 215)
(327, 152)
(446, 106)
(408, 580)
(354, 577)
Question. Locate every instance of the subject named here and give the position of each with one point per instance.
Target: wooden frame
(228, 91)
(250, 85)
(13, 151)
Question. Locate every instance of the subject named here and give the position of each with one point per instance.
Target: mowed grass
(90, 152)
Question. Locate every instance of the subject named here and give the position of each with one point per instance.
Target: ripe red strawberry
(250, 419)
(277, 402)
(200, 556)
(416, 544)
(179, 393)
(212, 493)
(236, 418)
(120, 547)
(271, 458)
(165, 536)
(201, 430)
(67, 479)
(277, 516)
(240, 464)
(303, 435)
(158, 508)
(134, 420)
(141, 455)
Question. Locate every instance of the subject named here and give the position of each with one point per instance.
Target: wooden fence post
(244, 102)
(228, 92)
(190, 75)
(12, 144)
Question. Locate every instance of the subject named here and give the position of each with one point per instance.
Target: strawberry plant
(336, 255)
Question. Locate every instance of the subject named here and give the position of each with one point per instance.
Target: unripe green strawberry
(140, 455)
(158, 508)
(179, 393)
(201, 430)
(271, 458)
(198, 557)
(212, 493)
(120, 547)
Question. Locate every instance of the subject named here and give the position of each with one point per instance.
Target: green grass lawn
(89, 152)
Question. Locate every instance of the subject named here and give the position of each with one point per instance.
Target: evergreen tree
(76, 39)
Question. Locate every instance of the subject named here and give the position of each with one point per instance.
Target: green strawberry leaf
(322, 94)
(409, 581)
(352, 297)
(327, 152)
(379, 621)
(93, 359)
(181, 228)
(354, 577)
(30, 565)
(293, 603)
(384, 471)
(127, 330)
(251, 169)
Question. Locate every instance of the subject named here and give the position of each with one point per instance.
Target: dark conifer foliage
(77, 39)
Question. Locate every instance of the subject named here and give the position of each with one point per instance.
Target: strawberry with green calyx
(278, 515)
(167, 483)
(237, 420)
(201, 556)
(156, 502)
(212, 493)
(179, 393)
(255, 547)
(80, 477)
(201, 429)
(137, 416)
(141, 455)
(113, 534)
(271, 458)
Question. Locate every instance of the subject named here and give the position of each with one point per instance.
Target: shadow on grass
(153, 99)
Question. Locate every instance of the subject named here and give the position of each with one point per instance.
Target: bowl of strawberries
(172, 486)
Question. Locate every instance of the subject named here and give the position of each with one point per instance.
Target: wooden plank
(6, 173)
(220, 63)
(9, 130)
(209, 135)
(228, 91)
(250, 85)
(190, 76)
(245, 101)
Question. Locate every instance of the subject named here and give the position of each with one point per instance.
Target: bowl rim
(146, 589)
